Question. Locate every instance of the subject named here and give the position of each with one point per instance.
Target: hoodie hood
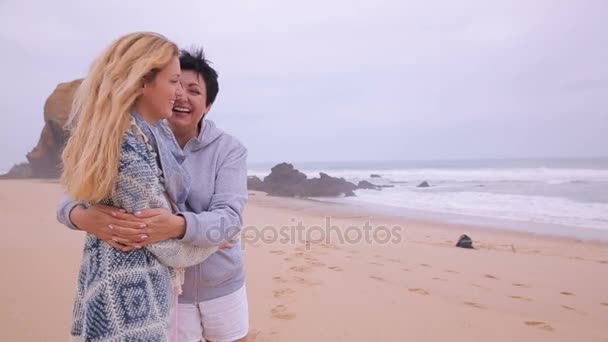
(209, 133)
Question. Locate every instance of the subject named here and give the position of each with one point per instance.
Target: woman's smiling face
(191, 105)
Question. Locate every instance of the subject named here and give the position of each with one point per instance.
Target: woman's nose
(179, 91)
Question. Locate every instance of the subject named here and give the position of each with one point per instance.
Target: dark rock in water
(367, 186)
(464, 242)
(285, 180)
(386, 186)
(23, 170)
(327, 186)
(284, 173)
(424, 184)
(254, 183)
(373, 175)
(398, 182)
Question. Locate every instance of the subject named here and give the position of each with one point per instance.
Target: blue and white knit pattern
(128, 296)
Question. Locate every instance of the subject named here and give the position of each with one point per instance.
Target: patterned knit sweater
(128, 296)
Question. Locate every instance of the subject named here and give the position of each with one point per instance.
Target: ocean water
(569, 196)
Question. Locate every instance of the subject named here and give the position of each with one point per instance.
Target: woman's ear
(208, 109)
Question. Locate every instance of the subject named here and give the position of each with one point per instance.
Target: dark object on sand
(464, 242)
(424, 184)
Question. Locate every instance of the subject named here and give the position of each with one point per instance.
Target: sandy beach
(417, 287)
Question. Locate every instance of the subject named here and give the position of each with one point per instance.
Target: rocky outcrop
(22, 170)
(367, 185)
(44, 160)
(327, 186)
(424, 184)
(255, 183)
(285, 180)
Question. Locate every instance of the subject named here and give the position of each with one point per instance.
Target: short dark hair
(194, 60)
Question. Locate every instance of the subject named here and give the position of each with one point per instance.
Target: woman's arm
(138, 187)
(102, 221)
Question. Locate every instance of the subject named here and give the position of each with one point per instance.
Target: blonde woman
(121, 153)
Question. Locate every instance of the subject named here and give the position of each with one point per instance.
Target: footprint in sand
(604, 304)
(315, 263)
(377, 278)
(279, 279)
(419, 291)
(282, 292)
(336, 268)
(566, 293)
(300, 268)
(405, 269)
(378, 256)
(541, 325)
(567, 307)
(256, 335)
(277, 252)
(394, 260)
(281, 312)
(451, 271)
(475, 305)
(603, 261)
(489, 276)
(329, 246)
(253, 335)
(425, 265)
(376, 263)
(438, 278)
(304, 281)
(519, 285)
(521, 298)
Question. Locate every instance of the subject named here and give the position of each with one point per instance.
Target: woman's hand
(160, 224)
(125, 233)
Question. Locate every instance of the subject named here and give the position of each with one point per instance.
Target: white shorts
(223, 319)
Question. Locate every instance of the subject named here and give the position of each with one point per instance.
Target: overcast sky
(345, 80)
